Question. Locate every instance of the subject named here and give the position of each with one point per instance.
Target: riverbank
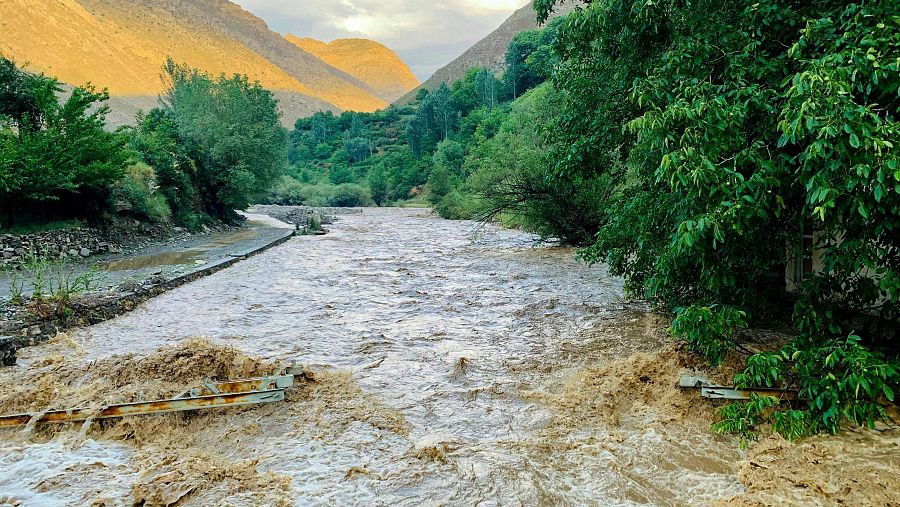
(117, 283)
(301, 216)
(79, 242)
(447, 364)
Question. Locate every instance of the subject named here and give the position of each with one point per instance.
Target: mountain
(489, 52)
(122, 44)
(370, 62)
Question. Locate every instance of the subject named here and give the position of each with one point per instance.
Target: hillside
(488, 52)
(122, 45)
(370, 62)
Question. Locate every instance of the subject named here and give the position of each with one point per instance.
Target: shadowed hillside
(488, 52)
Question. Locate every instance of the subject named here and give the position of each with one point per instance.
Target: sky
(427, 34)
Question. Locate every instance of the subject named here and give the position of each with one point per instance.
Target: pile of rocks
(300, 215)
(73, 243)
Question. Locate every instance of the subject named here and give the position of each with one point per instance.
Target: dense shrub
(457, 206)
(56, 158)
(349, 195)
(287, 192)
(138, 188)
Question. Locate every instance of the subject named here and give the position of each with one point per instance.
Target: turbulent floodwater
(460, 366)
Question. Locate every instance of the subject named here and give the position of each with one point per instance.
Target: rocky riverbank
(82, 242)
(61, 244)
(121, 282)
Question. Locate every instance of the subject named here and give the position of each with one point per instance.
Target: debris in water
(209, 395)
(356, 471)
(710, 390)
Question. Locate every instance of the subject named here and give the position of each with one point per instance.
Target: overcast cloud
(426, 34)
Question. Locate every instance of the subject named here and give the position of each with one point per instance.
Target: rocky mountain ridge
(490, 51)
(122, 44)
(367, 60)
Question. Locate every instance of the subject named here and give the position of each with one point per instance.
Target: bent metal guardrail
(208, 396)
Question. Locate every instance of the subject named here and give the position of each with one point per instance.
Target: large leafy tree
(230, 130)
(54, 152)
(744, 128)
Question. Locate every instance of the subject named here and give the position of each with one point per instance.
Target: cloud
(426, 34)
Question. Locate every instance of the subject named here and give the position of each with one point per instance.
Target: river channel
(453, 365)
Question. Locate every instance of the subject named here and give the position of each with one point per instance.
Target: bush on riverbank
(139, 193)
(290, 192)
(216, 143)
(56, 159)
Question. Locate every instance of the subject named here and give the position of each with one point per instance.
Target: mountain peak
(489, 52)
(369, 61)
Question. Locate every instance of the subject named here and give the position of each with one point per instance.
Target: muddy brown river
(454, 365)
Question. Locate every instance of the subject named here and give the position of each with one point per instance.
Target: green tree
(450, 154)
(158, 144)
(232, 131)
(509, 172)
(439, 184)
(378, 185)
(442, 115)
(358, 149)
(742, 126)
(54, 153)
(530, 59)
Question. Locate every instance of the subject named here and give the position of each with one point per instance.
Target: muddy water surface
(456, 366)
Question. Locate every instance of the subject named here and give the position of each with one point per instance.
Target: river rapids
(450, 364)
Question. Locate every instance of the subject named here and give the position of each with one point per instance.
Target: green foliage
(54, 225)
(439, 184)
(435, 120)
(479, 88)
(509, 167)
(365, 149)
(743, 418)
(709, 330)
(228, 136)
(843, 382)
(530, 59)
(291, 192)
(340, 173)
(450, 155)
(138, 188)
(457, 206)
(314, 224)
(378, 185)
(350, 195)
(287, 192)
(740, 126)
(316, 195)
(55, 283)
(54, 155)
(397, 151)
(358, 149)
